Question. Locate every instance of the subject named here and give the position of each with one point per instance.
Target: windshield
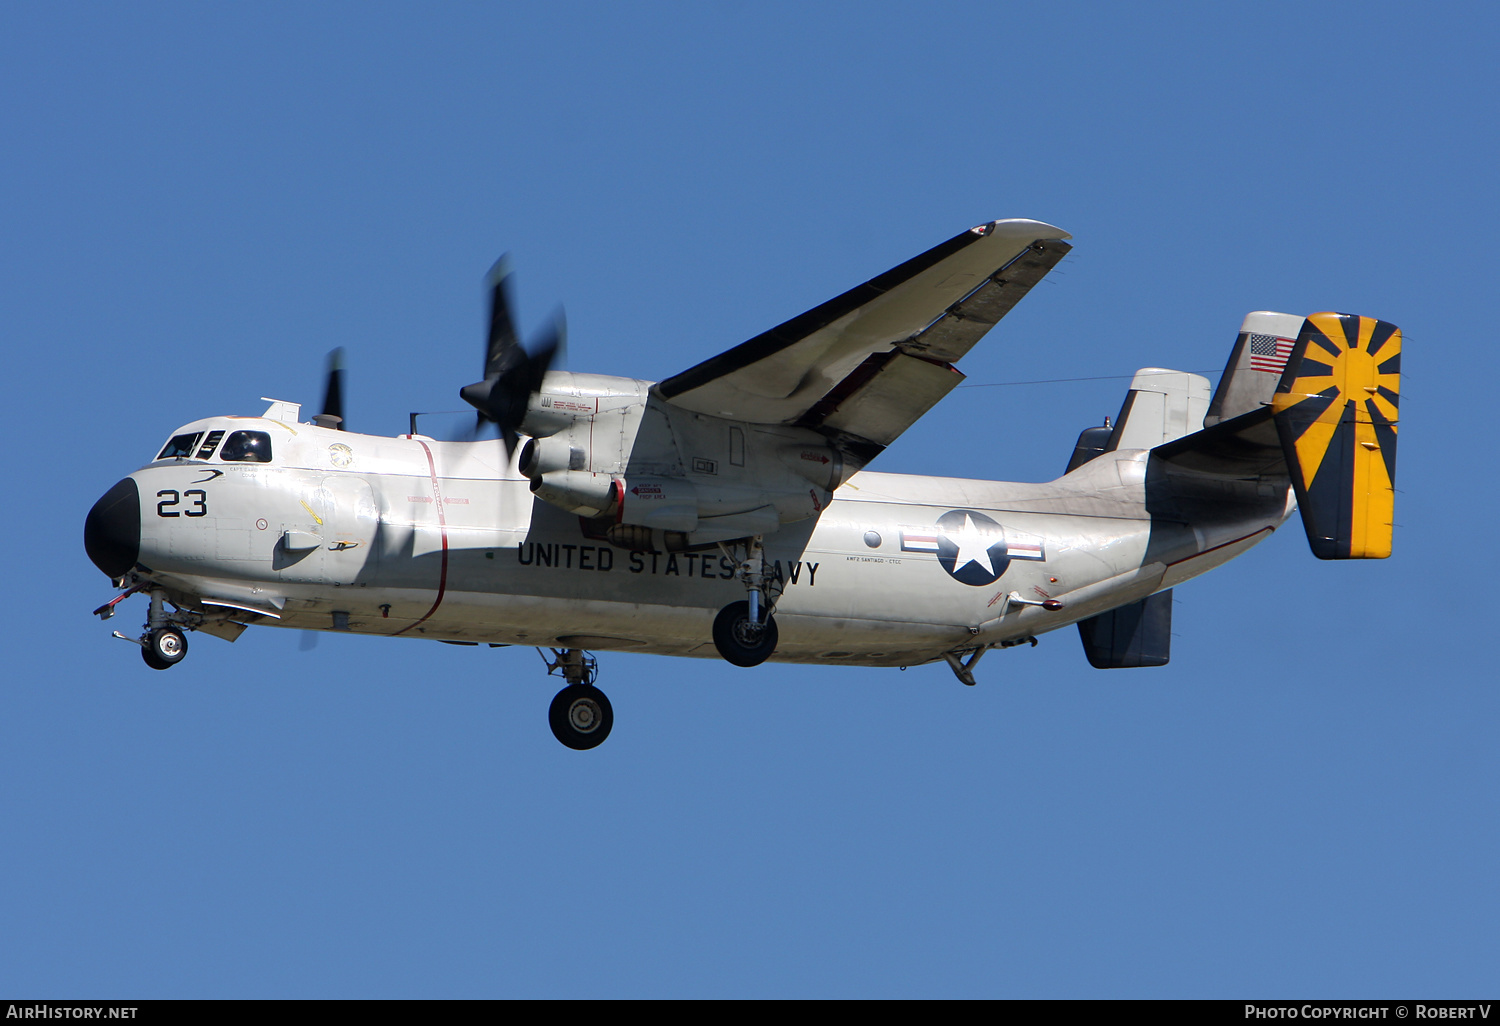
(210, 444)
(180, 447)
(247, 447)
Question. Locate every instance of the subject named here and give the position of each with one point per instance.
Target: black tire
(738, 641)
(581, 717)
(164, 648)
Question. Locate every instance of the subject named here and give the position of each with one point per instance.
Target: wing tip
(1021, 227)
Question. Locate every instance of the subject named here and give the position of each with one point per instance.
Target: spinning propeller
(511, 373)
(331, 417)
(333, 394)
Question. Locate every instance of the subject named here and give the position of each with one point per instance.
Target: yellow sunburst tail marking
(1336, 411)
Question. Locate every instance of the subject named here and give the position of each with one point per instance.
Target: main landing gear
(580, 715)
(742, 640)
(745, 632)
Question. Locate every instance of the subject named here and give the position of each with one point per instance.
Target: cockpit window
(210, 444)
(180, 447)
(247, 447)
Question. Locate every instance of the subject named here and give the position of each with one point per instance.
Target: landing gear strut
(580, 714)
(745, 632)
(163, 645)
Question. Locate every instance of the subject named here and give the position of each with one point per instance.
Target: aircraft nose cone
(112, 532)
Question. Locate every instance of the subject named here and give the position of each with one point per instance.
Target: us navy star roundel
(971, 547)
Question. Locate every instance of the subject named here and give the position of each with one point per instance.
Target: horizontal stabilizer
(1139, 634)
(1244, 448)
(1336, 414)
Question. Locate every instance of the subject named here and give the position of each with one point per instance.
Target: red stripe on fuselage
(437, 504)
(1224, 545)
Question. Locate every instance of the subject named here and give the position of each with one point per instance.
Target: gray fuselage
(415, 537)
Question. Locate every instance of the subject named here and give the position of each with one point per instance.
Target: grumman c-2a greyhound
(727, 510)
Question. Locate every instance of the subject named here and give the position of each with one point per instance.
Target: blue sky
(202, 200)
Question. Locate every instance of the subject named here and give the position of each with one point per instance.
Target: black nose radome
(112, 532)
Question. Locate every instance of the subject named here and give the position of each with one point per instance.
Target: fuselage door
(349, 553)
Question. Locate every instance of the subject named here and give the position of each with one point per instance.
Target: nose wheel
(163, 645)
(163, 648)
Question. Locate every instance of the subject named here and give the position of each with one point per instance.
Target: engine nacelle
(823, 465)
(602, 448)
(588, 495)
(660, 503)
(541, 456)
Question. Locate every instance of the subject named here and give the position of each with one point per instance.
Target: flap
(885, 400)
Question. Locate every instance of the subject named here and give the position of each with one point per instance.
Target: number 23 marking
(169, 498)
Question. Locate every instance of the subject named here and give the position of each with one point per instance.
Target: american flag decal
(1269, 353)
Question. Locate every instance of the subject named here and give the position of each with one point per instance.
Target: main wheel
(581, 716)
(164, 648)
(741, 642)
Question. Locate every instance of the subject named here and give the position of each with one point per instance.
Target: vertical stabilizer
(1126, 637)
(1255, 365)
(1336, 414)
(1162, 405)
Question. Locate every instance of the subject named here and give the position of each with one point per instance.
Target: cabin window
(180, 447)
(247, 447)
(210, 444)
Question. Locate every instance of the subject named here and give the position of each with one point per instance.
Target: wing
(865, 365)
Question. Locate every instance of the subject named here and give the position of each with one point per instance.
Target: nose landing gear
(163, 645)
(580, 715)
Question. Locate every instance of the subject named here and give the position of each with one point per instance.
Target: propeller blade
(475, 431)
(547, 349)
(502, 336)
(511, 374)
(333, 393)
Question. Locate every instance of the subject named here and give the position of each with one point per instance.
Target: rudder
(1336, 414)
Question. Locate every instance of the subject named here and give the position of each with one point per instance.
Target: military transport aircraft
(727, 510)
